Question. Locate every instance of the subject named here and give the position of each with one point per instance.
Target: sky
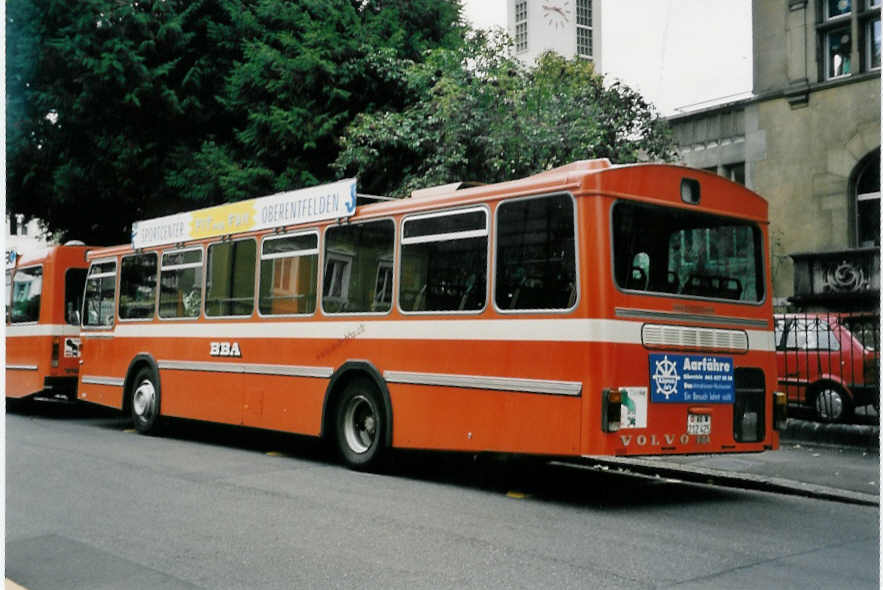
(680, 54)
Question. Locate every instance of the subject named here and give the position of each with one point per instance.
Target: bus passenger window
(74, 283)
(536, 255)
(180, 279)
(138, 286)
(229, 283)
(353, 254)
(99, 294)
(444, 261)
(289, 267)
(27, 287)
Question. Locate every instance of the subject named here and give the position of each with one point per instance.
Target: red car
(829, 362)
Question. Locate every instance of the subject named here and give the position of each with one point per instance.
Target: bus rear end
(43, 344)
(692, 361)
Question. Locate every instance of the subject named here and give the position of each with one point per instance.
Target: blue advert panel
(691, 378)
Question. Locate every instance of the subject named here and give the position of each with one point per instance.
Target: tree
(307, 69)
(477, 114)
(121, 110)
(102, 94)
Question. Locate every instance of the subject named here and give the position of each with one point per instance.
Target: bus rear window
(27, 286)
(675, 251)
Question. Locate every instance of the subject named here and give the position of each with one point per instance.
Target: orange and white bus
(588, 310)
(45, 291)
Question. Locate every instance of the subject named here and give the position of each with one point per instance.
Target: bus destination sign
(689, 378)
(316, 203)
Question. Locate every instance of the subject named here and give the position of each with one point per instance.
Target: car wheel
(361, 425)
(145, 402)
(831, 403)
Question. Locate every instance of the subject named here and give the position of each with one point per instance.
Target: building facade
(808, 141)
(567, 27)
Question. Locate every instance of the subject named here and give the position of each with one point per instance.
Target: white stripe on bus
(516, 330)
(42, 330)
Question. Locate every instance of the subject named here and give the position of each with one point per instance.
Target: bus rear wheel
(144, 402)
(361, 425)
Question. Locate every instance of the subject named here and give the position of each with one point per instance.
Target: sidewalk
(825, 461)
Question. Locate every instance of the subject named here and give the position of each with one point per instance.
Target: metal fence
(829, 361)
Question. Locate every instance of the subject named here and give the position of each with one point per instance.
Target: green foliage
(157, 106)
(477, 114)
(126, 86)
(119, 110)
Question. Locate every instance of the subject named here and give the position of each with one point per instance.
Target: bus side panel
(29, 358)
(292, 404)
(481, 420)
(475, 418)
(214, 396)
(99, 366)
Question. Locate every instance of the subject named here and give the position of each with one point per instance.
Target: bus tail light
(611, 410)
(56, 345)
(780, 410)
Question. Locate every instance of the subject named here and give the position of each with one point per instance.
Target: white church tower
(567, 27)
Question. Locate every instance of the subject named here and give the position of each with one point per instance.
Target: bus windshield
(675, 251)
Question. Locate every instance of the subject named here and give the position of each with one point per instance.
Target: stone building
(808, 140)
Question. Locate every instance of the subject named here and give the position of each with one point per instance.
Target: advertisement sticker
(691, 378)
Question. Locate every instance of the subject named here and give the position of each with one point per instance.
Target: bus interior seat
(637, 279)
(712, 286)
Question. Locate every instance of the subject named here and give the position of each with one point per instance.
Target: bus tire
(145, 401)
(360, 425)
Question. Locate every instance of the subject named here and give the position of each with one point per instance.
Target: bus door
(102, 377)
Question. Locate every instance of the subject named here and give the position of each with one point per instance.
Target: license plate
(698, 424)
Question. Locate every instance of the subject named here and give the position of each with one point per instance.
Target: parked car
(829, 362)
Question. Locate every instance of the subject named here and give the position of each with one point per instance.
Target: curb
(857, 435)
(705, 475)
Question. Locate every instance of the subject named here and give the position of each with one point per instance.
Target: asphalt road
(91, 505)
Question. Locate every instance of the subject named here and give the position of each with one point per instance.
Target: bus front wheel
(361, 428)
(145, 401)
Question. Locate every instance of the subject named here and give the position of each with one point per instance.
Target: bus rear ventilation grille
(686, 337)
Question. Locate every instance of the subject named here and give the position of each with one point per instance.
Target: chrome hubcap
(829, 404)
(144, 400)
(360, 424)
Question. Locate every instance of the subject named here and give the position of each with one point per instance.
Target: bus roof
(646, 181)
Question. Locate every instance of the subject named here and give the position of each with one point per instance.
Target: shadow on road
(517, 476)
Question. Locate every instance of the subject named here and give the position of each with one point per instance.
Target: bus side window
(229, 285)
(444, 261)
(352, 256)
(180, 277)
(536, 254)
(138, 286)
(289, 268)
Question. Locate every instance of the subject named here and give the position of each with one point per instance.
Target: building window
(870, 26)
(521, 26)
(867, 201)
(838, 48)
(836, 8)
(584, 28)
(735, 172)
(839, 18)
